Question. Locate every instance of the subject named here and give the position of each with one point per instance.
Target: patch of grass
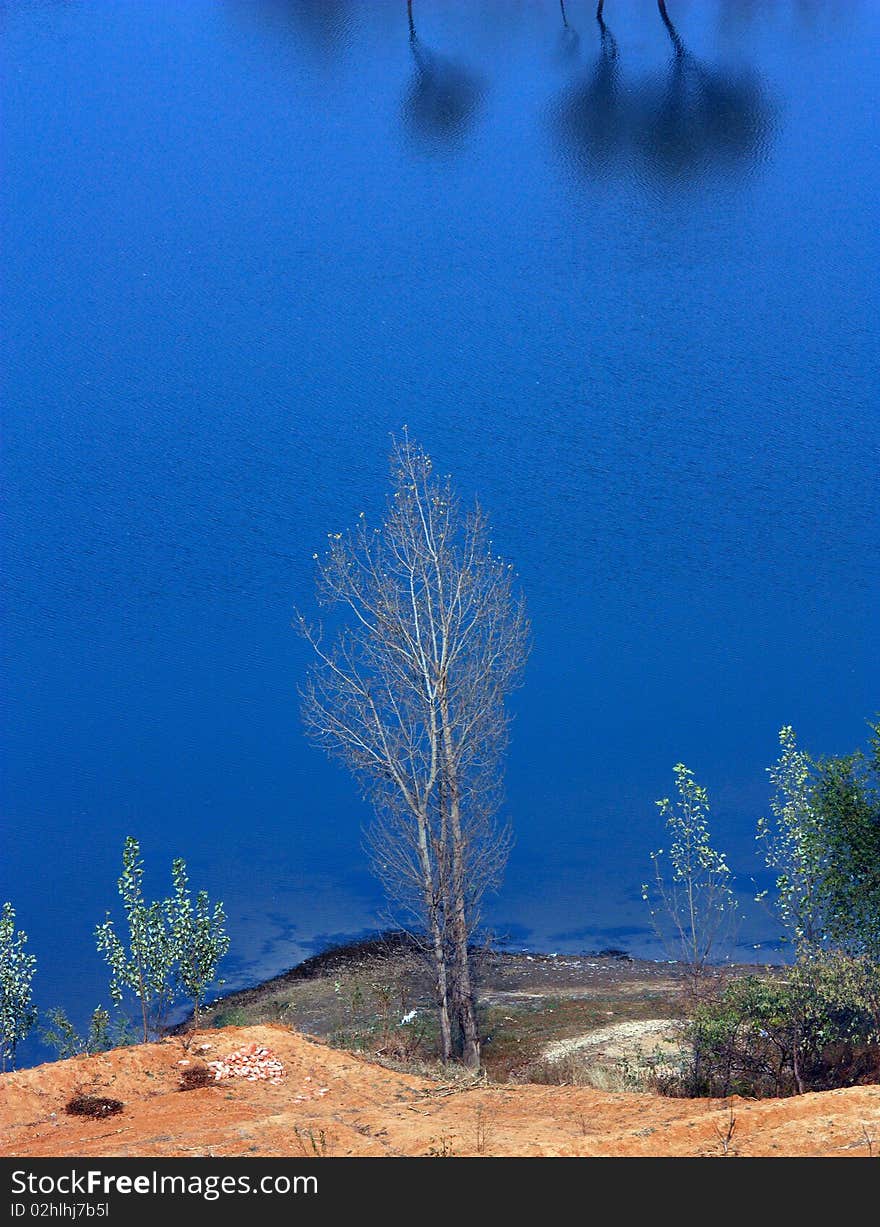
(339, 957)
(574, 1069)
(236, 1017)
(356, 995)
(517, 1035)
(313, 1144)
(441, 1148)
(638, 1071)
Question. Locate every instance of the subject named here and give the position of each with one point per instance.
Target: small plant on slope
(692, 903)
(62, 1035)
(145, 965)
(17, 968)
(794, 846)
(199, 937)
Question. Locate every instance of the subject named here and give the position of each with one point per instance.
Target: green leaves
(173, 946)
(793, 844)
(824, 842)
(847, 803)
(144, 965)
(198, 935)
(62, 1035)
(693, 906)
(17, 969)
(806, 1030)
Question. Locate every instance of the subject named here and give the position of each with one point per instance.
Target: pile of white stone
(252, 1062)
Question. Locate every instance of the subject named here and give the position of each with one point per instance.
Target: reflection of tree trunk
(412, 24)
(670, 28)
(564, 18)
(603, 29)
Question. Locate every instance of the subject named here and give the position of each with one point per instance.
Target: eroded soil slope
(330, 1102)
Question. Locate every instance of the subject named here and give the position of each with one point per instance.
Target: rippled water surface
(622, 283)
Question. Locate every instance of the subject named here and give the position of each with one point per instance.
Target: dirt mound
(329, 1102)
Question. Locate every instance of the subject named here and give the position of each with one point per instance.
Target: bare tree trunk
(796, 1064)
(464, 996)
(438, 947)
(442, 978)
(143, 998)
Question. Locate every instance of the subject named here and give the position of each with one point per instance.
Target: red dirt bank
(331, 1102)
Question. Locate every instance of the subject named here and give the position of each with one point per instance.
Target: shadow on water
(688, 122)
(569, 39)
(592, 116)
(323, 26)
(442, 99)
(701, 118)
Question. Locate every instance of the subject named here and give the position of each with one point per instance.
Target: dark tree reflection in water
(322, 26)
(700, 118)
(443, 96)
(591, 117)
(690, 121)
(569, 39)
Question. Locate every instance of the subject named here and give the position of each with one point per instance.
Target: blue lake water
(623, 286)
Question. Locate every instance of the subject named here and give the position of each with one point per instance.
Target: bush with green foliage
(847, 803)
(173, 945)
(815, 1028)
(198, 936)
(793, 845)
(816, 1025)
(233, 1017)
(144, 964)
(17, 968)
(60, 1033)
(823, 842)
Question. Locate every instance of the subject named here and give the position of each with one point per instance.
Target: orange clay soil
(330, 1103)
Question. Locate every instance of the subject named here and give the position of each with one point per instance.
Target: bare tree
(410, 695)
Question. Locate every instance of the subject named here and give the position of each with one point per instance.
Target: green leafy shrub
(173, 946)
(794, 847)
(198, 936)
(816, 1029)
(143, 965)
(847, 799)
(17, 968)
(815, 1026)
(60, 1034)
(823, 843)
